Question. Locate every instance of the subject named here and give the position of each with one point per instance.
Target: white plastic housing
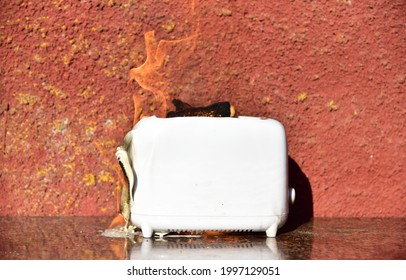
(201, 173)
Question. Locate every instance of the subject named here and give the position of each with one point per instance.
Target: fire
(163, 59)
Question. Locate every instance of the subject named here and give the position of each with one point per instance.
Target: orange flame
(164, 60)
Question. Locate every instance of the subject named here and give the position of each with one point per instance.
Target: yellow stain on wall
(55, 91)
(90, 130)
(26, 99)
(66, 59)
(87, 92)
(43, 32)
(332, 106)
(105, 176)
(28, 190)
(121, 40)
(69, 202)
(169, 26)
(302, 97)
(127, 4)
(45, 171)
(38, 59)
(89, 179)
(60, 125)
(68, 168)
(78, 150)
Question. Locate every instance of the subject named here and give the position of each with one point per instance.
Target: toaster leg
(146, 231)
(271, 231)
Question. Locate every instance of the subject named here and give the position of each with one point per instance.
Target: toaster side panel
(210, 167)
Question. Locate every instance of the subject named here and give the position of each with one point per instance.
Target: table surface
(74, 238)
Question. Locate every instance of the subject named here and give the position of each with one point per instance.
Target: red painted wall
(333, 72)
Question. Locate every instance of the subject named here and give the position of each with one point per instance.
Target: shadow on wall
(302, 210)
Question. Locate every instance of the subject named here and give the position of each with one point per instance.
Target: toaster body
(200, 173)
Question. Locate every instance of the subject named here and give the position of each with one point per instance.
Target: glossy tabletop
(321, 238)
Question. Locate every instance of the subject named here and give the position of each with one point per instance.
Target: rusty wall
(333, 72)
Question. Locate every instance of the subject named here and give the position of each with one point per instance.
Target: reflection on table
(250, 247)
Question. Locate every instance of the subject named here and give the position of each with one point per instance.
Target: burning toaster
(201, 173)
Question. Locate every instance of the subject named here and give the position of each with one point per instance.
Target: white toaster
(202, 173)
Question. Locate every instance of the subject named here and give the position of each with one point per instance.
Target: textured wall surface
(333, 72)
